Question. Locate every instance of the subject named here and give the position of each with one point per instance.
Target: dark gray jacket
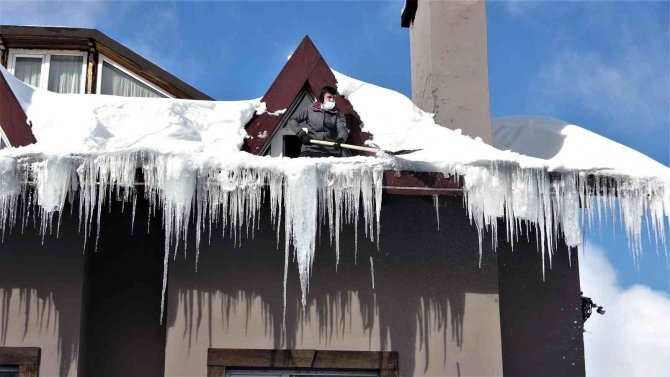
(328, 125)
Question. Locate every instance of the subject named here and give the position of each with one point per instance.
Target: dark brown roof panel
(13, 119)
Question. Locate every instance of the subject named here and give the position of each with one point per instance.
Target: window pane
(28, 70)
(118, 83)
(65, 74)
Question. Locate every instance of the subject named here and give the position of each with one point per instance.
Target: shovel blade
(402, 151)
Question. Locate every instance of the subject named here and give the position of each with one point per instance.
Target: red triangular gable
(13, 119)
(306, 68)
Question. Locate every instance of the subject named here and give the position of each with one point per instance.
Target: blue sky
(602, 65)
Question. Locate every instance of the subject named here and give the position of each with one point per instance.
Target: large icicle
(301, 219)
(10, 191)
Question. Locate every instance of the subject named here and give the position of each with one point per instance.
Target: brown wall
(541, 320)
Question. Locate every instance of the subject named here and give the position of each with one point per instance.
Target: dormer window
(56, 71)
(118, 81)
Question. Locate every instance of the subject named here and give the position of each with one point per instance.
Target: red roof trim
(305, 68)
(421, 183)
(13, 119)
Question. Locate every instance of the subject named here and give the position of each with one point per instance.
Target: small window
(292, 146)
(57, 71)
(115, 81)
(19, 361)
(28, 69)
(9, 371)
(300, 363)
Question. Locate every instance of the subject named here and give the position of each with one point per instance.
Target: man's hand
(338, 142)
(304, 138)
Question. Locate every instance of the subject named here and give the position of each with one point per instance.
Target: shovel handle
(348, 146)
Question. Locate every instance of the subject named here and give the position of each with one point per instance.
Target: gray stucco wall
(450, 66)
(40, 294)
(91, 313)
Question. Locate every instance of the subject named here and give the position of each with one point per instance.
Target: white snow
(568, 147)
(90, 146)
(69, 124)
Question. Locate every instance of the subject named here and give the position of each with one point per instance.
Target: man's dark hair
(327, 89)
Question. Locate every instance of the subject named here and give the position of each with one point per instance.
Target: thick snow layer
(397, 123)
(78, 123)
(567, 147)
(89, 148)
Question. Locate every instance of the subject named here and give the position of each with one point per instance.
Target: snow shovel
(363, 149)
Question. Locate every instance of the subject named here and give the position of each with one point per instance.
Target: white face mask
(328, 105)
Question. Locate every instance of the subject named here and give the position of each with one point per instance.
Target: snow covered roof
(190, 153)
(564, 147)
(84, 124)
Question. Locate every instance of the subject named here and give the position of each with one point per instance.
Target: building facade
(417, 304)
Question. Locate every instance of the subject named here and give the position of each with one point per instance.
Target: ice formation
(90, 147)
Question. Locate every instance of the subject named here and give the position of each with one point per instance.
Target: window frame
(292, 372)
(26, 358)
(385, 364)
(45, 55)
(98, 84)
(4, 138)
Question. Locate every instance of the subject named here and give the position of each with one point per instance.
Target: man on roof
(321, 121)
